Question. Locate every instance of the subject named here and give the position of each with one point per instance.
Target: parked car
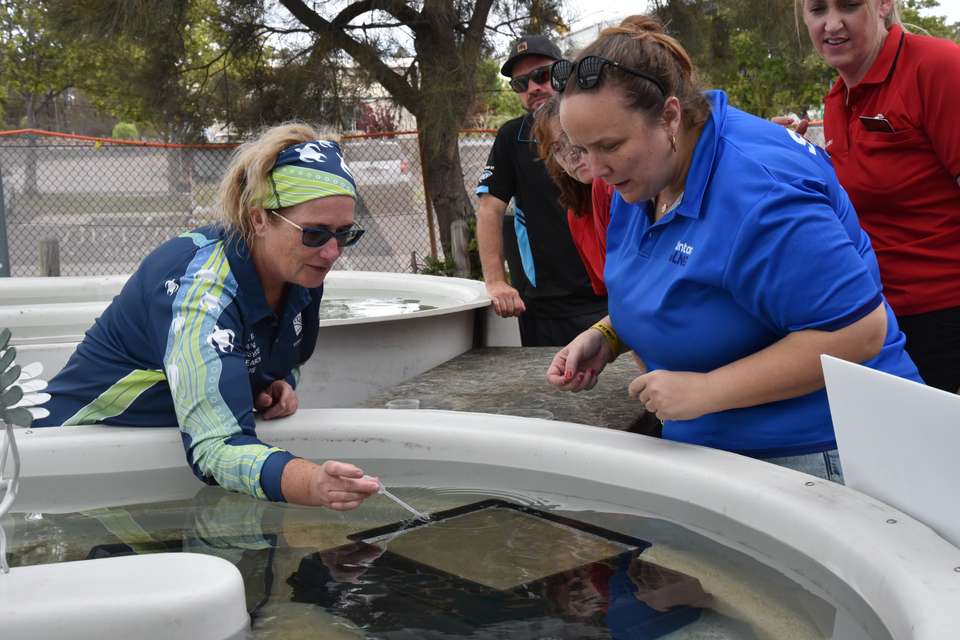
(385, 177)
(377, 161)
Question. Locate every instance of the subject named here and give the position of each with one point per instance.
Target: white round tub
(354, 358)
(865, 556)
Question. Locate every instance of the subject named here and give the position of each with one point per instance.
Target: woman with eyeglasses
(734, 257)
(586, 200)
(210, 330)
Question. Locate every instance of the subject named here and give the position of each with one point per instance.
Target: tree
(763, 61)
(377, 118)
(35, 66)
(910, 14)
(449, 39)
(496, 102)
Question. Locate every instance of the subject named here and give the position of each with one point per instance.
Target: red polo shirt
(589, 234)
(904, 184)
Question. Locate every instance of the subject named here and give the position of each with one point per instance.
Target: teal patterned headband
(306, 171)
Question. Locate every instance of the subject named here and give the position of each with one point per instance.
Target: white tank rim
(865, 543)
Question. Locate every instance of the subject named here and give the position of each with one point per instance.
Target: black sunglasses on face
(319, 236)
(540, 75)
(588, 73)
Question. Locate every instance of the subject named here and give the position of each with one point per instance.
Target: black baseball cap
(529, 45)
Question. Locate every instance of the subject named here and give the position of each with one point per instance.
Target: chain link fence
(105, 204)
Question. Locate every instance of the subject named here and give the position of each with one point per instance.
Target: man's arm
(506, 300)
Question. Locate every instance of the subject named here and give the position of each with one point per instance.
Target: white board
(899, 442)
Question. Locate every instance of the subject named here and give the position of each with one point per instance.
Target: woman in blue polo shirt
(213, 325)
(734, 257)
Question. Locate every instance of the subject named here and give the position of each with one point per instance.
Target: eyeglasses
(567, 154)
(540, 75)
(319, 236)
(588, 73)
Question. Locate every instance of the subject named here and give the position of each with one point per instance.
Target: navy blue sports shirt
(190, 341)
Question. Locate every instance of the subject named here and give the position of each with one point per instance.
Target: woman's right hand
(340, 486)
(577, 366)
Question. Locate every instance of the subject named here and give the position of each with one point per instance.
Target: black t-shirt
(556, 281)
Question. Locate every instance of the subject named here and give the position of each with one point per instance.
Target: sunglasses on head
(319, 236)
(540, 75)
(588, 72)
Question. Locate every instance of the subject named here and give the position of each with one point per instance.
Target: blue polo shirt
(190, 341)
(764, 242)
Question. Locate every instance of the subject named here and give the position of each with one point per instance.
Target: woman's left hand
(279, 400)
(673, 395)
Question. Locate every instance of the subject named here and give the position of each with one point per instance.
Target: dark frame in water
(401, 595)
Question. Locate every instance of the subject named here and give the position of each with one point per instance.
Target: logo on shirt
(681, 253)
(207, 274)
(253, 357)
(298, 324)
(221, 339)
(173, 377)
(487, 172)
(209, 302)
(171, 286)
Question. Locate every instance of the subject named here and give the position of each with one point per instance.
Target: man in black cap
(549, 291)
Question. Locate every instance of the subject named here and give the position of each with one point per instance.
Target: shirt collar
(701, 165)
(883, 65)
(250, 297)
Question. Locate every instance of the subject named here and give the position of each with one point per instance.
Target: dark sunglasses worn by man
(588, 72)
(521, 83)
(319, 236)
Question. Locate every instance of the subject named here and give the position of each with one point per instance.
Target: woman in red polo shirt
(892, 127)
(586, 200)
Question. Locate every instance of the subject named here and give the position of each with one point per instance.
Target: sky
(586, 12)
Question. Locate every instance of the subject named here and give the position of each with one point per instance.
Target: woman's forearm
(791, 366)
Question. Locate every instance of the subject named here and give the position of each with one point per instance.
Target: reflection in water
(585, 582)
(344, 308)
(519, 571)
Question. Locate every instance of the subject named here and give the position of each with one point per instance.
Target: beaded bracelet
(616, 347)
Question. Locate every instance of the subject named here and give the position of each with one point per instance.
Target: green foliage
(35, 63)
(758, 53)
(125, 131)
(496, 102)
(447, 267)
(157, 63)
(769, 81)
(437, 267)
(931, 25)
(753, 50)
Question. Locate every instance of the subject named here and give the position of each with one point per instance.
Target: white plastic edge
(148, 597)
(900, 567)
(55, 302)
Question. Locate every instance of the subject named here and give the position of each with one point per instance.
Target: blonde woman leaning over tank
(891, 127)
(734, 257)
(210, 330)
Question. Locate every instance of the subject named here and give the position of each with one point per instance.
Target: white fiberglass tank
(827, 561)
(376, 329)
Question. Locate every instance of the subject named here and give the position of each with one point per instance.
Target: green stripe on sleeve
(117, 398)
